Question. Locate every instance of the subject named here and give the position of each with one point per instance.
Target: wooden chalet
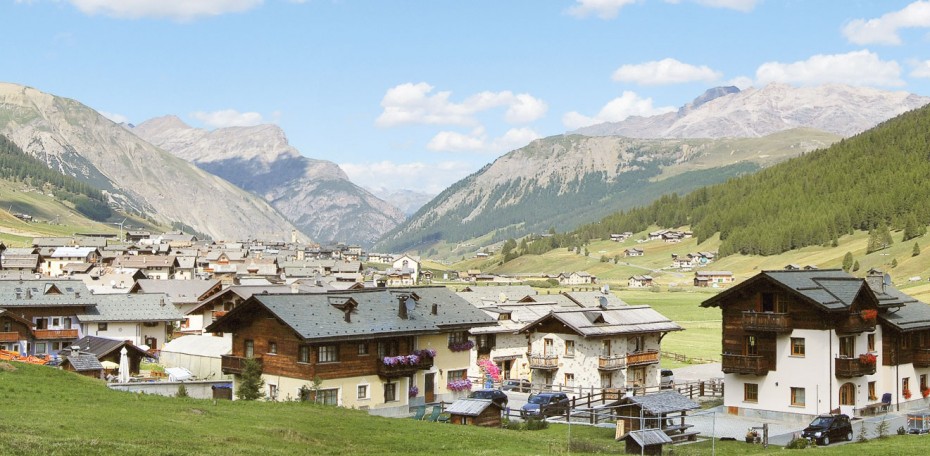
(475, 412)
(853, 339)
(369, 347)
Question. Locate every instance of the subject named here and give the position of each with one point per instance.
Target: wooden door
(429, 388)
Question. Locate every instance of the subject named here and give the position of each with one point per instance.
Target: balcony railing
(544, 361)
(853, 367)
(766, 321)
(44, 334)
(746, 364)
(611, 362)
(234, 364)
(922, 357)
(10, 337)
(403, 370)
(642, 358)
(855, 324)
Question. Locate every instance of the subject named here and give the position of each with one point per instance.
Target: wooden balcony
(404, 370)
(47, 334)
(921, 357)
(855, 324)
(642, 358)
(609, 363)
(234, 364)
(746, 364)
(547, 362)
(10, 337)
(853, 367)
(766, 321)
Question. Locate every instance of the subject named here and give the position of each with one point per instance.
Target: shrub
(901, 430)
(798, 444)
(250, 388)
(182, 391)
(536, 424)
(512, 425)
(862, 434)
(882, 429)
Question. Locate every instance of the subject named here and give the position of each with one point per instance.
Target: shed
(477, 412)
(657, 411)
(83, 363)
(646, 441)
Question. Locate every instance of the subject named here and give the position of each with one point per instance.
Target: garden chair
(418, 415)
(434, 415)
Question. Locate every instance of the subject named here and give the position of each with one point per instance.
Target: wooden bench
(874, 409)
(690, 436)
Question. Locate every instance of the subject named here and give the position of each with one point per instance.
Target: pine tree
(250, 388)
(847, 261)
(916, 250)
(856, 266)
(894, 263)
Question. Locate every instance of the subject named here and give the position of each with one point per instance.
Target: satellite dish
(603, 301)
(410, 304)
(886, 280)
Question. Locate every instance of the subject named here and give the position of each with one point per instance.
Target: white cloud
(604, 9)
(181, 10)
(411, 103)
(860, 68)
(738, 5)
(429, 177)
(665, 71)
(921, 69)
(228, 118)
(626, 105)
(884, 30)
(118, 118)
(477, 141)
(742, 82)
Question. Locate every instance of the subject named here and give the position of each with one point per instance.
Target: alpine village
(746, 274)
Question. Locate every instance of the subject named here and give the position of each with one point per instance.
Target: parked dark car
(829, 428)
(545, 404)
(521, 385)
(496, 396)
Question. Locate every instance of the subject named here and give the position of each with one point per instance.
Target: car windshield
(481, 394)
(822, 421)
(537, 400)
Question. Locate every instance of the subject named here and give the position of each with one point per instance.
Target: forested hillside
(872, 181)
(18, 166)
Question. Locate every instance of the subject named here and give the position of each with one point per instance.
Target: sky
(419, 94)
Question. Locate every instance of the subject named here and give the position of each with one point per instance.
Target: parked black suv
(545, 404)
(496, 396)
(828, 428)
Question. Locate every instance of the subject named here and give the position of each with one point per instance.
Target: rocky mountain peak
(709, 95)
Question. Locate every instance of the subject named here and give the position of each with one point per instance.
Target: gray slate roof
(321, 317)
(594, 322)
(100, 346)
(663, 402)
(469, 407)
(84, 362)
(910, 317)
(131, 307)
(44, 293)
(178, 291)
(648, 437)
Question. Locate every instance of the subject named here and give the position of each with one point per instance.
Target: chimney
(402, 307)
(876, 280)
(435, 309)
(348, 313)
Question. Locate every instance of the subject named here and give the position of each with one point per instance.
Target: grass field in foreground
(51, 412)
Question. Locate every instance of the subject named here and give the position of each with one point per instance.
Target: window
(457, 337)
(847, 346)
(328, 396)
(327, 354)
(569, 379)
(249, 348)
(870, 339)
(906, 384)
(7, 326)
(362, 392)
(390, 392)
(606, 381)
(303, 354)
(848, 394)
(387, 348)
(40, 348)
(923, 382)
(797, 346)
(768, 302)
(605, 348)
(547, 347)
(752, 347)
(67, 322)
(750, 392)
(638, 343)
(872, 395)
(272, 391)
(569, 348)
(906, 341)
(56, 322)
(797, 397)
(362, 349)
(272, 348)
(456, 374)
(101, 326)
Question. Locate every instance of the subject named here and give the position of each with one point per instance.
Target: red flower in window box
(869, 314)
(925, 391)
(906, 393)
(868, 358)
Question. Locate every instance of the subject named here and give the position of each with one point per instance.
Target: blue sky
(418, 94)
